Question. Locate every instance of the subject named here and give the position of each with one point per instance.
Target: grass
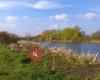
(18, 66)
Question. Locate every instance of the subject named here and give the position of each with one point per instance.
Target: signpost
(35, 54)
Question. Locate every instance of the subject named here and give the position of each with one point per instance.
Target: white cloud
(42, 4)
(10, 21)
(45, 5)
(4, 6)
(25, 17)
(12, 4)
(54, 26)
(90, 15)
(60, 17)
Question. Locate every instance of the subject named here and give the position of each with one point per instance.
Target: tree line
(69, 34)
(7, 38)
(73, 34)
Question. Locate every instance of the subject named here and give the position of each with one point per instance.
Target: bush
(25, 59)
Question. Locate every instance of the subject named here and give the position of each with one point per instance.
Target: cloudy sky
(34, 16)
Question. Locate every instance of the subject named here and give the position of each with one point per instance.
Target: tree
(7, 38)
(96, 35)
(73, 34)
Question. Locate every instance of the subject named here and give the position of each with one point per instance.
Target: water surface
(77, 47)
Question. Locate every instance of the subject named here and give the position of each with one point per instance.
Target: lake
(77, 47)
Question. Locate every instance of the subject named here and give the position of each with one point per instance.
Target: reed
(86, 58)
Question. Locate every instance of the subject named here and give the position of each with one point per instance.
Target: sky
(32, 17)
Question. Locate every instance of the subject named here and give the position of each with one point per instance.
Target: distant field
(18, 66)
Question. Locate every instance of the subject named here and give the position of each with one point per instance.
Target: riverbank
(64, 65)
(92, 41)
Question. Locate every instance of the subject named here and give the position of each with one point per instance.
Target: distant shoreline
(95, 42)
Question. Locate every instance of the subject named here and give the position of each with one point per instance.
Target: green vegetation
(73, 34)
(96, 35)
(18, 66)
(7, 38)
(69, 34)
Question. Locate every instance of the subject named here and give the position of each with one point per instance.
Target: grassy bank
(18, 66)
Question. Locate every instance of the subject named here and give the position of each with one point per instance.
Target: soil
(84, 71)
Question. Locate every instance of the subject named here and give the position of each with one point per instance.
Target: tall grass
(72, 55)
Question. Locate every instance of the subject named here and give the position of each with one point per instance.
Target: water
(92, 48)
